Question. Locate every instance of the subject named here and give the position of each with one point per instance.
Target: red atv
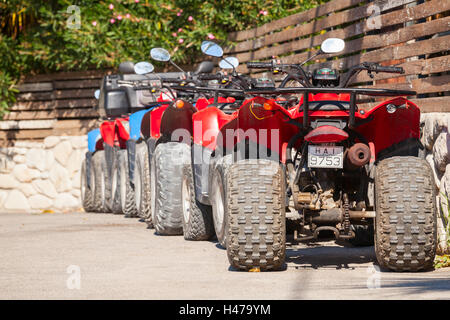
(322, 164)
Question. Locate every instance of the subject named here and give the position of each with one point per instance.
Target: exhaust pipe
(357, 156)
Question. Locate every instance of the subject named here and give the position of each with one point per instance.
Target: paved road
(118, 258)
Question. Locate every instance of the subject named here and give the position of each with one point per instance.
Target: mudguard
(122, 131)
(107, 131)
(93, 137)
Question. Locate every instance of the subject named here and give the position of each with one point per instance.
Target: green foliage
(37, 36)
(442, 261)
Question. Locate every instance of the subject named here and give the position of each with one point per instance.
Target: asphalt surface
(103, 256)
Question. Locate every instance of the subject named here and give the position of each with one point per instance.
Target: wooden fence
(406, 33)
(53, 104)
(411, 34)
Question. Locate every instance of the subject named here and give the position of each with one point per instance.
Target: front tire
(167, 170)
(87, 195)
(142, 184)
(197, 217)
(99, 171)
(218, 196)
(256, 194)
(405, 227)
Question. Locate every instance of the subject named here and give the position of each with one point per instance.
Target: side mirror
(205, 67)
(143, 67)
(332, 45)
(212, 49)
(160, 54)
(229, 63)
(97, 94)
(126, 67)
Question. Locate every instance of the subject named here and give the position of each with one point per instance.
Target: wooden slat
(69, 75)
(35, 87)
(56, 94)
(421, 86)
(29, 115)
(77, 84)
(12, 135)
(333, 20)
(76, 113)
(373, 41)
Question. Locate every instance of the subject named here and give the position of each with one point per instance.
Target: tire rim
(153, 192)
(137, 187)
(219, 210)
(186, 200)
(123, 185)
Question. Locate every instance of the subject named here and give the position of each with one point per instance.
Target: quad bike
(172, 157)
(322, 164)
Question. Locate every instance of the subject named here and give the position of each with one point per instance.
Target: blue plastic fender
(93, 136)
(135, 121)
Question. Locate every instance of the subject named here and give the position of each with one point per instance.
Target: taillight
(324, 134)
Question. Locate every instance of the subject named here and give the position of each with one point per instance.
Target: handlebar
(379, 68)
(206, 76)
(259, 65)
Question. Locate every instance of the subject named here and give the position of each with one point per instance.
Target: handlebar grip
(207, 76)
(379, 68)
(259, 65)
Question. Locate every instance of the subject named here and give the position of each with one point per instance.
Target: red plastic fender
(207, 124)
(122, 131)
(155, 121)
(107, 131)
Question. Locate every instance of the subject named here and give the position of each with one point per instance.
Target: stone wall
(36, 176)
(436, 139)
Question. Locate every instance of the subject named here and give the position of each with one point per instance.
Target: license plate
(325, 157)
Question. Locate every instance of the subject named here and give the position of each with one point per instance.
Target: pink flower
(94, 23)
(112, 20)
(111, 7)
(180, 29)
(178, 14)
(211, 36)
(137, 1)
(263, 12)
(180, 40)
(190, 18)
(128, 15)
(119, 17)
(174, 34)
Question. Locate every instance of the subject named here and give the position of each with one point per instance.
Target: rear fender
(107, 131)
(387, 129)
(93, 137)
(179, 119)
(263, 123)
(207, 124)
(122, 129)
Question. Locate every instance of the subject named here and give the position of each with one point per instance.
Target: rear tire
(256, 194)
(197, 217)
(405, 226)
(99, 172)
(218, 196)
(142, 184)
(128, 203)
(167, 166)
(87, 196)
